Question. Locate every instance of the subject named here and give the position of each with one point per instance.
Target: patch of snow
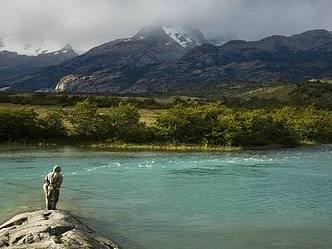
(4, 89)
(79, 51)
(182, 36)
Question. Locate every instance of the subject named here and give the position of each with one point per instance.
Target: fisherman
(51, 187)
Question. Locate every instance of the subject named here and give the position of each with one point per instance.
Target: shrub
(188, 124)
(51, 125)
(120, 123)
(18, 124)
(84, 119)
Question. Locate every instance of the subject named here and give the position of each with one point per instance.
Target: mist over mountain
(86, 24)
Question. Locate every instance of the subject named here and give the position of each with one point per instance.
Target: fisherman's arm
(46, 180)
(60, 180)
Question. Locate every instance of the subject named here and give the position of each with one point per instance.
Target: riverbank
(50, 229)
(126, 147)
(188, 147)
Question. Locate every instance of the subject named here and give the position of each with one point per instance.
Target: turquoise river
(254, 200)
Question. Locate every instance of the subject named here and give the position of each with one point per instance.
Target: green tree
(84, 119)
(121, 123)
(18, 124)
(188, 124)
(52, 125)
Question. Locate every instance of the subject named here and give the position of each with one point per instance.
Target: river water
(253, 200)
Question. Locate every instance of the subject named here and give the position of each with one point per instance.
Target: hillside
(115, 66)
(275, 59)
(15, 65)
(161, 60)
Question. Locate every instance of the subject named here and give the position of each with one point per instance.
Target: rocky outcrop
(50, 229)
(66, 83)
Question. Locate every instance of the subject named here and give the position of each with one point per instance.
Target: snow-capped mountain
(117, 63)
(20, 58)
(32, 48)
(178, 36)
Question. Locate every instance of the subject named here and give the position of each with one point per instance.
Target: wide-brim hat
(57, 168)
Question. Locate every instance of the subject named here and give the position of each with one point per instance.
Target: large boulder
(50, 229)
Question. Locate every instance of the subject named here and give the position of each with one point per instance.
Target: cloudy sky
(86, 23)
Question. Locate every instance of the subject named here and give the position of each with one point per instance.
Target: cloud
(86, 23)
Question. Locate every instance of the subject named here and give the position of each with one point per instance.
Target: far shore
(176, 148)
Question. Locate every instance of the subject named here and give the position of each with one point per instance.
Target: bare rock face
(66, 83)
(50, 229)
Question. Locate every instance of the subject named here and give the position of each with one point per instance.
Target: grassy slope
(281, 93)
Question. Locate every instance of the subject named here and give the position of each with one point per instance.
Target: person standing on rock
(52, 184)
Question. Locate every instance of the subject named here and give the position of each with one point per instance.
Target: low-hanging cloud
(86, 23)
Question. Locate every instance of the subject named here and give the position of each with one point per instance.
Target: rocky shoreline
(50, 229)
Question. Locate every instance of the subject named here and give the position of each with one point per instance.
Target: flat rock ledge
(50, 229)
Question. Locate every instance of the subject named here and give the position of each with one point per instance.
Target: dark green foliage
(308, 124)
(258, 128)
(317, 93)
(121, 123)
(18, 125)
(84, 119)
(52, 125)
(224, 126)
(63, 100)
(208, 125)
(188, 124)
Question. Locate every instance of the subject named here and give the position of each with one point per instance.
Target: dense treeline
(225, 126)
(25, 125)
(205, 125)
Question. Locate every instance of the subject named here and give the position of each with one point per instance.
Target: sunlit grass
(163, 147)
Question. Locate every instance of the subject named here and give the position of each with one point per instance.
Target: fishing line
(64, 188)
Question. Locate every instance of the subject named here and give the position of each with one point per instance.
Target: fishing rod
(64, 188)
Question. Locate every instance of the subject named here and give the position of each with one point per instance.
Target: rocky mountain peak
(186, 37)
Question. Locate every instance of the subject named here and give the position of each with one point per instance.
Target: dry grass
(162, 147)
(277, 92)
(149, 116)
(41, 110)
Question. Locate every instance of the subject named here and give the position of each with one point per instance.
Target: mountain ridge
(32, 48)
(154, 60)
(114, 65)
